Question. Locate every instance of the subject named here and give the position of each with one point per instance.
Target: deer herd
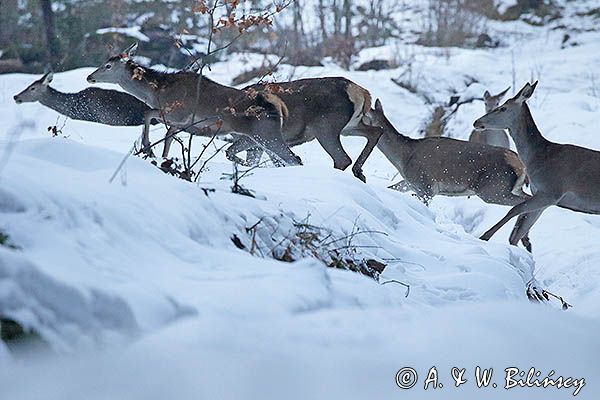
(275, 117)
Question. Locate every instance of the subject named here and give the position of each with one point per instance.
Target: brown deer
(322, 109)
(108, 107)
(444, 166)
(493, 137)
(561, 175)
(186, 100)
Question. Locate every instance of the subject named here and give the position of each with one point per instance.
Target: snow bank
(156, 249)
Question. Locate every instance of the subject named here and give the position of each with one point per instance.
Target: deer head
(505, 116)
(376, 116)
(115, 68)
(35, 91)
(492, 102)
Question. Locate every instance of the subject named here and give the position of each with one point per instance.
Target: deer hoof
(342, 164)
(527, 243)
(359, 174)
(486, 236)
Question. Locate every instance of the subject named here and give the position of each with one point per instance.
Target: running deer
(322, 109)
(493, 137)
(444, 166)
(188, 101)
(108, 107)
(560, 175)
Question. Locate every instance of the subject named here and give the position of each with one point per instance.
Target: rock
(375, 65)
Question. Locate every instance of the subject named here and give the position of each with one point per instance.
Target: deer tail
(361, 99)
(277, 104)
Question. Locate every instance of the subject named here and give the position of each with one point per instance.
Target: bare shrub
(454, 22)
(276, 238)
(411, 80)
(436, 123)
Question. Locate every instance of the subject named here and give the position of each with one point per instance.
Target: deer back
(313, 100)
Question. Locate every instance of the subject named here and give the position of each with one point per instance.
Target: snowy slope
(144, 268)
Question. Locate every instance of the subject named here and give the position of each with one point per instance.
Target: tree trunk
(52, 43)
(322, 20)
(348, 19)
(337, 18)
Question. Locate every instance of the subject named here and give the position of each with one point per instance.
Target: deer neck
(140, 88)
(150, 86)
(64, 103)
(395, 146)
(527, 136)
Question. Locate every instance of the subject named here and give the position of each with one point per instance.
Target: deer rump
(318, 108)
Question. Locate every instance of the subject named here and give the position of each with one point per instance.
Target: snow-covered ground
(139, 288)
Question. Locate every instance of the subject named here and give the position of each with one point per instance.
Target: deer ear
(129, 52)
(525, 93)
(47, 78)
(378, 105)
(487, 95)
(503, 93)
(533, 87)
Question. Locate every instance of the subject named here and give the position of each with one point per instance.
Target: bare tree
(8, 22)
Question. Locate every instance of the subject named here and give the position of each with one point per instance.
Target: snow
(138, 285)
(133, 31)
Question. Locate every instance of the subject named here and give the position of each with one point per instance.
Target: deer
(434, 166)
(562, 175)
(323, 109)
(492, 137)
(108, 107)
(186, 100)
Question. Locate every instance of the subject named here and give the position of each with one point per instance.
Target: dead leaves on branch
(232, 21)
(138, 73)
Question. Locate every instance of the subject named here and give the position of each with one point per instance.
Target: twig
(399, 283)
(353, 234)
(208, 159)
(127, 155)
(564, 304)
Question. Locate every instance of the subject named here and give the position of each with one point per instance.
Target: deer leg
(148, 116)
(253, 156)
(333, 147)
(538, 202)
(522, 227)
(401, 186)
(241, 144)
(424, 196)
(372, 133)
(268, 135)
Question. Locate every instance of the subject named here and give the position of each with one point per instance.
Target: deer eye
(502, 109)
(108, 66)
(32, 88)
